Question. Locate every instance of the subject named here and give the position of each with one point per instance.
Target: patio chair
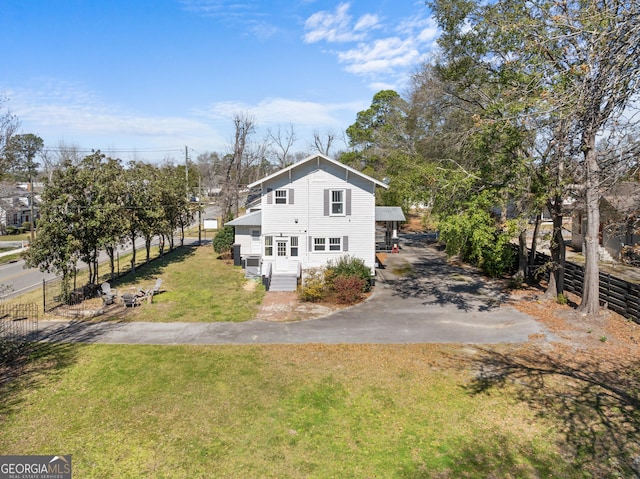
(108, 296)
(156, 288)
(131, 300)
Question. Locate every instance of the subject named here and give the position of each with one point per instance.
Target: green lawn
(197, 287)
(274, 411)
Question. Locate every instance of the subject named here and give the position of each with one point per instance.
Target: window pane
(268, 245)
(318, 244)
(335, 244)
(294, 246)
(337, 203)
(281, 197)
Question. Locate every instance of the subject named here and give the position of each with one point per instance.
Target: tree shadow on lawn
(596, 400)
(153, 269)
(436, 281)
(38, 362)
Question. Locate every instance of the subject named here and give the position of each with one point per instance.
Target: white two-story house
(309, 213)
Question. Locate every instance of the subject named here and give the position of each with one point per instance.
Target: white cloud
(61, 111)
(384, 59)
(336, 27)
(275, 111)
(367, 22)
(383, 56)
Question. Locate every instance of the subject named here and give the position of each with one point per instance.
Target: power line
(52, 149)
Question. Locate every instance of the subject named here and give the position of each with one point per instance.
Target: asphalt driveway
(419, 298)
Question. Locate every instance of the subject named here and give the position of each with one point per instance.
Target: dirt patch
(608, 335)
(249, 286)
(286, 306)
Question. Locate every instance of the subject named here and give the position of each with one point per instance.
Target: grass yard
(197, 287)
(275, 411)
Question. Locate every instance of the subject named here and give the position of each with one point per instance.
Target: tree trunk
(112, 266)
(534, 244)
(522, 272)
(590, 304)
(133, 253)
(147, 245)
(558, 252)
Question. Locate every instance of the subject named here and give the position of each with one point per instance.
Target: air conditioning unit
(252, 266)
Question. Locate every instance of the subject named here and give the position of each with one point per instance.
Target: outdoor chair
(108, 296)
(131, 300)
(156, 288)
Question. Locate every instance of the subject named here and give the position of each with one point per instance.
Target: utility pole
(186, 170)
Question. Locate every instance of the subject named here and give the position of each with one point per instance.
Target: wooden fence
(616, 294)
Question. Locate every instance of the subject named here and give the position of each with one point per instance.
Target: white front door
(282, 254)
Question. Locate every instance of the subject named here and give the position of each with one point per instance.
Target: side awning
(389, 213)
(251, 219)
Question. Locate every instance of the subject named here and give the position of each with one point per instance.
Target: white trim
(317, 157)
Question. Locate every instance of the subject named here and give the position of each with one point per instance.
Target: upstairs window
(281, 197)
(337, 202)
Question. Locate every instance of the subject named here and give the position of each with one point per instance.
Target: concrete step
(283, 282)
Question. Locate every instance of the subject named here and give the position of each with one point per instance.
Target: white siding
(305, 218)
(243, 238)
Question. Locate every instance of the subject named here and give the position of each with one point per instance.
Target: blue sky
(151, 76)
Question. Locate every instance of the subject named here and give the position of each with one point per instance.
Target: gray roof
(251, 219)
(317, 157)
(389, 213)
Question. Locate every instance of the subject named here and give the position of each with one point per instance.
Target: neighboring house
(617, 206)
(304, 215)
(15, 207)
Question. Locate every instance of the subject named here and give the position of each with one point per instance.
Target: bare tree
(281, 143)
(323, 145)
(53, 158)
(602, 77)
(8, 126)
(230, 194)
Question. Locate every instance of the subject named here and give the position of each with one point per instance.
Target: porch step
(283, 282)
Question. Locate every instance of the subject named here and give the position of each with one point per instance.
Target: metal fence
(18, 329)
(56, 294)
(616, 294)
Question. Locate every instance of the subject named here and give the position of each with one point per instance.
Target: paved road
(22, 279)
(437, 303)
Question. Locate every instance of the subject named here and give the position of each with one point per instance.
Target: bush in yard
(313, 285)
(348, 289)
(477, 238)
(223, 240)
(350, 266)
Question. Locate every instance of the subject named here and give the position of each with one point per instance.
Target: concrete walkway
(419, 298)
